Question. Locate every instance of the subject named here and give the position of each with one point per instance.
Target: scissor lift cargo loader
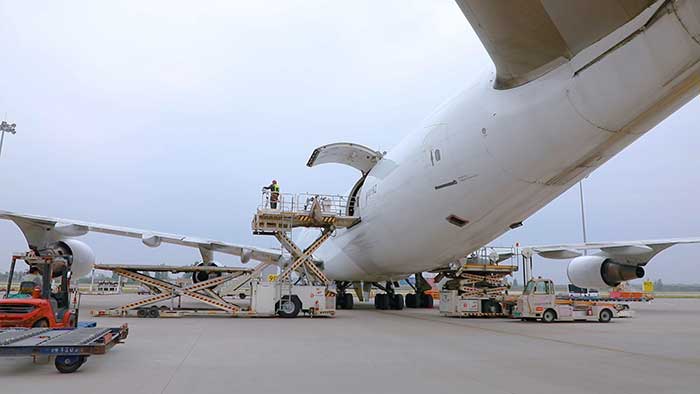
(300, 287)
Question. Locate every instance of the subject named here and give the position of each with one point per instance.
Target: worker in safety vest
(274, 189)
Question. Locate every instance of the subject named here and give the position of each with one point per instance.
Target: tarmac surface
(369, 351)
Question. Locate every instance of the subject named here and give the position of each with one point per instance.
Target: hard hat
(274, 181)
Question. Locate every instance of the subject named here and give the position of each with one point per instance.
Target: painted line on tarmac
(194, 344)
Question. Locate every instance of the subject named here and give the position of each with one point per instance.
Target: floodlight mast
(6, 128)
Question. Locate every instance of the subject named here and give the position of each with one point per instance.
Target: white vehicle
(539, 302)
(563, 99)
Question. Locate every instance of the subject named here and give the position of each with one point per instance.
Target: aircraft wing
(526, 38)
(41, 231)
(626, 252)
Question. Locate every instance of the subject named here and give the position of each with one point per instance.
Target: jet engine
(600, 272)
(83, 258)
(202, 276)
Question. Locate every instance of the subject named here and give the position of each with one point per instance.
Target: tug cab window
(541, 288)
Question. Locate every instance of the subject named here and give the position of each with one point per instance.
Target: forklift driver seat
(27, 287)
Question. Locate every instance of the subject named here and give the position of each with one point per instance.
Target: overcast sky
(169, 116)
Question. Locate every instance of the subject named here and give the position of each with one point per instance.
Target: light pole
(6, 128)
(583, 215)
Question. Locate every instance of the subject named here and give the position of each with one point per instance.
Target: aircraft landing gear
(343, 300)
(388, 300)
(420, 299)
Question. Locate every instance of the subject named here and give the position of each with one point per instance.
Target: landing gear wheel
(411, 301)
(605, 316)
(381, 301)
(549, 316)
(69, 364)
(426, 301)
(397, 302)
(288, 307)
(348, 301)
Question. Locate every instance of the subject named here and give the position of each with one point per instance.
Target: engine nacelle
(202, 276)
(600, 272)
(83, 257)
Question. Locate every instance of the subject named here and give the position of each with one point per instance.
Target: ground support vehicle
(452, 304)
(478, 288)
(69, 346)
(40, 306)
(539, 302)
(323, 212)
(165, 299)
(300, 288)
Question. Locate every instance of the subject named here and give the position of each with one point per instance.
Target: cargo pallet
(71, 346)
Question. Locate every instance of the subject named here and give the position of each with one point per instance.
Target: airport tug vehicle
(40, 306)
(300, 287)
(539, 302)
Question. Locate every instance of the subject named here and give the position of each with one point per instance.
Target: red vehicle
(39, 306)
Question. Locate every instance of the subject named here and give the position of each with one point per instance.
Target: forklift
(39, 305)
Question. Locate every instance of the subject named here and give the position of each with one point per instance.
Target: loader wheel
(605, 316)
(153, 312)
(549, 316)
(288, 307)
(69, 364)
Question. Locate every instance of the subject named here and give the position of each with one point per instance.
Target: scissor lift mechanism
(311, 211)
(166, 291)
(310, 288)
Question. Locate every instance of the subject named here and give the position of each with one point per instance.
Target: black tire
(605, 316)
(397, 302)
(69, 364)
(153, 312)
(142, 313)
(349, 301)
(410, 300)
(42, 323)
(549, 316)
(288, 308)
(73, 321)
(426, 301)
(381, 301)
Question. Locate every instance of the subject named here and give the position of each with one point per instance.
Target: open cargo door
(354, 155)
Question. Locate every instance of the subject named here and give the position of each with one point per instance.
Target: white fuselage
(494, 157)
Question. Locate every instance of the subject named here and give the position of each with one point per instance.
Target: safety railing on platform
(286, 202)
(492, 255)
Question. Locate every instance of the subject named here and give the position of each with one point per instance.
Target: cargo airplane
(574, 83)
